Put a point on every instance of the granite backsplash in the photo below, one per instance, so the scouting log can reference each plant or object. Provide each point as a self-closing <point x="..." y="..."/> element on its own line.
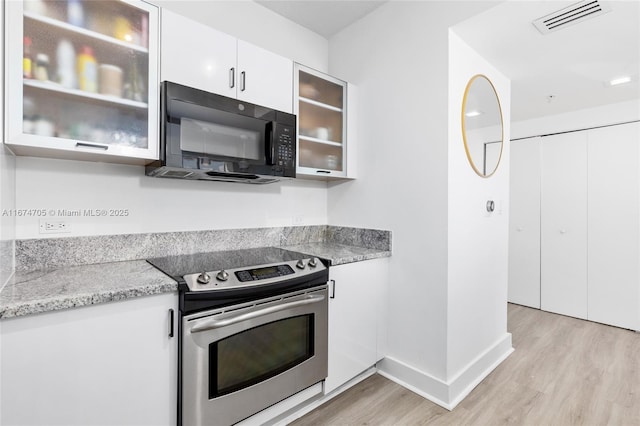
<point x="37" y="254"/>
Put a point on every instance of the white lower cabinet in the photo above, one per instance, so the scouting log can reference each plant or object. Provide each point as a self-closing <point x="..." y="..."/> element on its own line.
<point x="356" y="319"/>
<point x="111" y="364"/>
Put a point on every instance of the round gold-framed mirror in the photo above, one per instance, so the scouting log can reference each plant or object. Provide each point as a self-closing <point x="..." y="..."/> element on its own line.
<point x="482" y="125"/>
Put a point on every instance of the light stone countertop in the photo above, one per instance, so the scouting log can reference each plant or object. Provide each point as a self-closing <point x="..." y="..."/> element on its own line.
<point x="338" y="254"/>
<point x="73" y="286"/>
<point x="67" y="287"/>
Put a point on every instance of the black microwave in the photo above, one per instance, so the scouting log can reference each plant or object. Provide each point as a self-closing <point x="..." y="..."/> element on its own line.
<point x="205" y="136"/>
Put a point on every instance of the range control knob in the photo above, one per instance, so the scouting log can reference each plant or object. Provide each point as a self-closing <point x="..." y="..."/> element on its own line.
<point x="300" y="264"/>
<point x="203" y="278"/>
<point x="313" y="262"/>
<point x="222" y="275"/>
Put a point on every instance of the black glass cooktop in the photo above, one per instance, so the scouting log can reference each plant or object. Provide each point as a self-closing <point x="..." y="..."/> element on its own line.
<point x="178" y="266"/>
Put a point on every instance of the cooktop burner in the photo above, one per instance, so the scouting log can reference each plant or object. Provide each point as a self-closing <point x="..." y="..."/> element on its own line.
<point x="224" y="270"/>
<point x="224" y="278"/>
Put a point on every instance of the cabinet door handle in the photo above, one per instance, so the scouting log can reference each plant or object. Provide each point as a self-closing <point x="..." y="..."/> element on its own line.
<point x="333" y="289"/>
<point x="91" y="145"/>
<point x="170" y="322"/>
<point x="323" y="171"/>
<point x="232" y="78"/>
<point x="243" y="81"/>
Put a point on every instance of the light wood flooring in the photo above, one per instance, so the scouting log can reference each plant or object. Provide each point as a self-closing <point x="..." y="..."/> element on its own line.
<point x="564" y="371"/>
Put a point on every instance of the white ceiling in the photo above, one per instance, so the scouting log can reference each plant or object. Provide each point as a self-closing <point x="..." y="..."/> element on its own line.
<point x="326" y="17"/>
<point x="572" y="64"/>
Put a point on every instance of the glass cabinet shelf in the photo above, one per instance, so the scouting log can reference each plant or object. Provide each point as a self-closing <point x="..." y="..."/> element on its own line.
<point x="57" y="25"/>
<point x="320" y="104"/>
<point x="54" y="87"/>
<point x="316" y="140"/>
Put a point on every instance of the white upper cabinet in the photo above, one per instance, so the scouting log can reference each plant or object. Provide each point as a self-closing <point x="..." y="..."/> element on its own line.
<point x="199" y="56"/>
<point x="264" y="78"/>
<point x="82" y="79"/>
<point x="325" y="131"/>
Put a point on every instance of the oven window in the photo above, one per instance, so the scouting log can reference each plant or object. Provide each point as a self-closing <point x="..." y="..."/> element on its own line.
<point x="257" y="354"/>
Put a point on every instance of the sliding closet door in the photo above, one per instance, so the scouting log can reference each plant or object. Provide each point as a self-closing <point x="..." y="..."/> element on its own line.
<point x="564" y="224"/>
<point x="524" y="223"/>
<point x="614" y="215"/>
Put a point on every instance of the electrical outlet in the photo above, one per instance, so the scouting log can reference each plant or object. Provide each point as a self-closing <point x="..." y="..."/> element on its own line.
<point x="54" y="226"/>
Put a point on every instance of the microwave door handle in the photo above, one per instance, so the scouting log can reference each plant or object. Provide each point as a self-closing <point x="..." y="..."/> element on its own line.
<point x="270" y="147"/>
<point x="213" y="323"/>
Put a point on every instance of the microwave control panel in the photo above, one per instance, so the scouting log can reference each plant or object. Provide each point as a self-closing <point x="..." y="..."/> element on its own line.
<point x="285" y="151"/>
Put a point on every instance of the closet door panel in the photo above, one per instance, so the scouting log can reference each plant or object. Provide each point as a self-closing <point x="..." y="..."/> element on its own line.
<point x="524" y="228"/>
<point x="564" y="224"/>
<point x="613" y="231"/>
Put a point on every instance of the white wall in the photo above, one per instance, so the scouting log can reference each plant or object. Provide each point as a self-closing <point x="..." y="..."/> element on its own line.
<point x="478" y="240"/>
<point x="7" y="186"/>
<point x="585" y="118"/>
<point x="7" y="209"/>
<point x="163" y="205"/>
<point x="7" y="197"/>
<point x="398" y="58"/>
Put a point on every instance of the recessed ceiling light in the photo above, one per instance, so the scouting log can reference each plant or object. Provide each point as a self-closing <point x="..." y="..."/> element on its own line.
<point x="473" y="113"/>
<point x="619" y="80"/>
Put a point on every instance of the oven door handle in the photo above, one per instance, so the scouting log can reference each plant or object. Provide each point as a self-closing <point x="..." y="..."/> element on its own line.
<point x="213" y="323"/>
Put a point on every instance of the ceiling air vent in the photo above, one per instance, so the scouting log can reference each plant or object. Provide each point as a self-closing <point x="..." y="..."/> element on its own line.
<point x="571" y="15"/>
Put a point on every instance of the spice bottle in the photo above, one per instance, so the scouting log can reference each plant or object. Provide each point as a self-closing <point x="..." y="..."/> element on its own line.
<point x="87" y="69"/>
<point x="27" y="60"/>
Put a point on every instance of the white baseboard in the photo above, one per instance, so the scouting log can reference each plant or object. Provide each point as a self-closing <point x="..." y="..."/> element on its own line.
<point x="447" y="394"/>
<point x="305" y="408"/>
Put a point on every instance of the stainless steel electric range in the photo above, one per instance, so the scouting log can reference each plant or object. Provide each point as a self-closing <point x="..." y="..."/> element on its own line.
<point x="252" y="330"/>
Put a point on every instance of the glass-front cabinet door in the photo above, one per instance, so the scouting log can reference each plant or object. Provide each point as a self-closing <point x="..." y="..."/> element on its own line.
<point x="321" y="110"/>
<point x="82" y="79"/>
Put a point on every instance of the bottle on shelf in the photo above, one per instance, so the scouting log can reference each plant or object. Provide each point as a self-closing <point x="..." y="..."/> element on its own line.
<point x="75" y="13"/>
<point x="27" y="60"/>
<point x="87" y="70"/>
<point x="66" y="59"/>
<point x="41" y="71"/>
<point x="122" y="29"/>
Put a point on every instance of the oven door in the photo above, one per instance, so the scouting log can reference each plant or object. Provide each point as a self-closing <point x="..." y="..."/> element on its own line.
<point x="249" y="357"/>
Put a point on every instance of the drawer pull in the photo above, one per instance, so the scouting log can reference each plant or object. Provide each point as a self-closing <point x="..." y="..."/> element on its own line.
<point x="91" y="146"/>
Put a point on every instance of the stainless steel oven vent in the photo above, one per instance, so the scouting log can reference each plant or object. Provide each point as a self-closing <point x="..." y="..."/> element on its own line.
<point x="571" y="15"/>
